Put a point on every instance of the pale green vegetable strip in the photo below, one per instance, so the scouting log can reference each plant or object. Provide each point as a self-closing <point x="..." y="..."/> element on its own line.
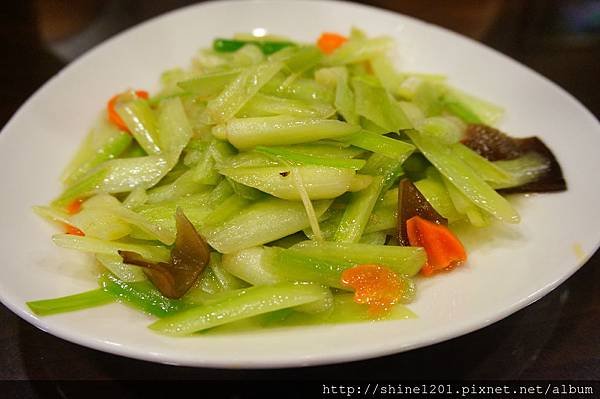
<point x="403" y="260"/>
<point x="303" y="58"/>
<point x="117" y="176"/>
<point x="114" y="263"/>
<point x="252" y="265"/>
<point x="321" y="182"/>
<point x="476" y="216"/>
<point x="70" y="303"/>
<point x="196" y="207"/>
<point x="288" y="154"/>
<point x="487" y="170"/>
<point x="464" y="178"/>
<point x="114" y="144"/>
<point x="239" y="91"/>
<point x="141" y="122"/>
<point x="375" y="104"/>
<point x="380" y="165"/>
<point x="386" y="74"/>
<point x="303" y="89"/>
<point x="117" y="209"/>
<point x="484" y="111"/>
<point x="260" y="223"/>
<point x="245" y="133"/>
<point x="354" y="51"/>
<point x="357" y="212"/>
<point x="326" y="149"/>
<point x="265" y="105"/>
<point x="434" y="190"/>
<point x="382" y="219"/>
<point x="253" y="301"/>
<point x="100" y="223"/>
<point x="52" y="215"/>
<point x="293" y="265"/>
<point x="523" y="170"/>
<point x="249" y="159"/>
<point x="344" y="97"/>
<point x="447" y="129"/>
<point x="228" y="208"/>
<point x="246" y="192"/>
<point x="185" y="184"/>
<point x="391" y="148"/>
<point x="227" y="281"/>
<point x="175" y="129"/>
<point x="136" y="197"/>
<point x="209" y="85"/>
<point x="428" y="97"/>
<point x="375" y="238"/>
<point x="152" y="253"/>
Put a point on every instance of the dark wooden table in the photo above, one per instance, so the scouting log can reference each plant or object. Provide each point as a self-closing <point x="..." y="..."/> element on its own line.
<point x="554" y="338"/>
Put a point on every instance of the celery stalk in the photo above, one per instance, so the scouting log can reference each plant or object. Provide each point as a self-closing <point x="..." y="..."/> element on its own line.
<point x="114" y="263"/>
<point x="141" y="122"/>
<point x="141" y="295"/>
<point x="357" y="212"/>
<point x="174" y="128"/>
<point x="252" y="265"/>
<point x="381" y="165"/>
<point x="239" y="91"/>
<point x="209" y="85"/>
<point x="522" y="170"/>
<point x="289" y="155"/>
<point x="471" y="108"/>
<point x="70" y="303"/>
<point x="391" y="148"/>
<point x="381" y="219"/>
<point x="260" y="223"/>
<point x="246" y="133"/>
<point x="321" y="182"/>
<point x="117" y="176"/>
<point x="228" y="208"/>
<point x="114" y="143"/>
<point x="434" y="190"/>
<point x="250" y="302"/>
<point x="375" y="104"/>
<point x="403" y="260"/>
<point x="464" y="178"/>
<point x="265" y="105"/>
<point x="152" y="253"/>
<point x="358" y="50"/>
<point x="487" y="170"/>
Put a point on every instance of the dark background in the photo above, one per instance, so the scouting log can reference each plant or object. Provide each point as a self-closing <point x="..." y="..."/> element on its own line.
<point x="555" y="338"/>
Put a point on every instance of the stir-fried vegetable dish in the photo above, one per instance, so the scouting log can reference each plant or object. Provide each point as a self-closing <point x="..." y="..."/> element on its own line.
<point x="278" y="183"/>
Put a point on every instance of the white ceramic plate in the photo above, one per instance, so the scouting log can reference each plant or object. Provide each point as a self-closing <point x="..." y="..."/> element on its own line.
<point x="507" y="270"/>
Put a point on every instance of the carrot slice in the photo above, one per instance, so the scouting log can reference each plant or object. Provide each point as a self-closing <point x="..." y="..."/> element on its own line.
<point x="444" y="249"/>
<point x="75" y="206"/>
<point x="113" y="116"/>
<point x="328" y="42"/>
<point x="374" y="285"/>
<point x="73" y="230"/>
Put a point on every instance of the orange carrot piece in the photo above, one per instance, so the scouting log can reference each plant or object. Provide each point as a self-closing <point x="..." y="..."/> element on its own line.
<point x="73" y="230"/>
<point x="113" y="116"/>
<point x="328" y="42"/>
<point x="75" y="206"/>
<point x="444" y="250"/>
<point x="374" y="285"/>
